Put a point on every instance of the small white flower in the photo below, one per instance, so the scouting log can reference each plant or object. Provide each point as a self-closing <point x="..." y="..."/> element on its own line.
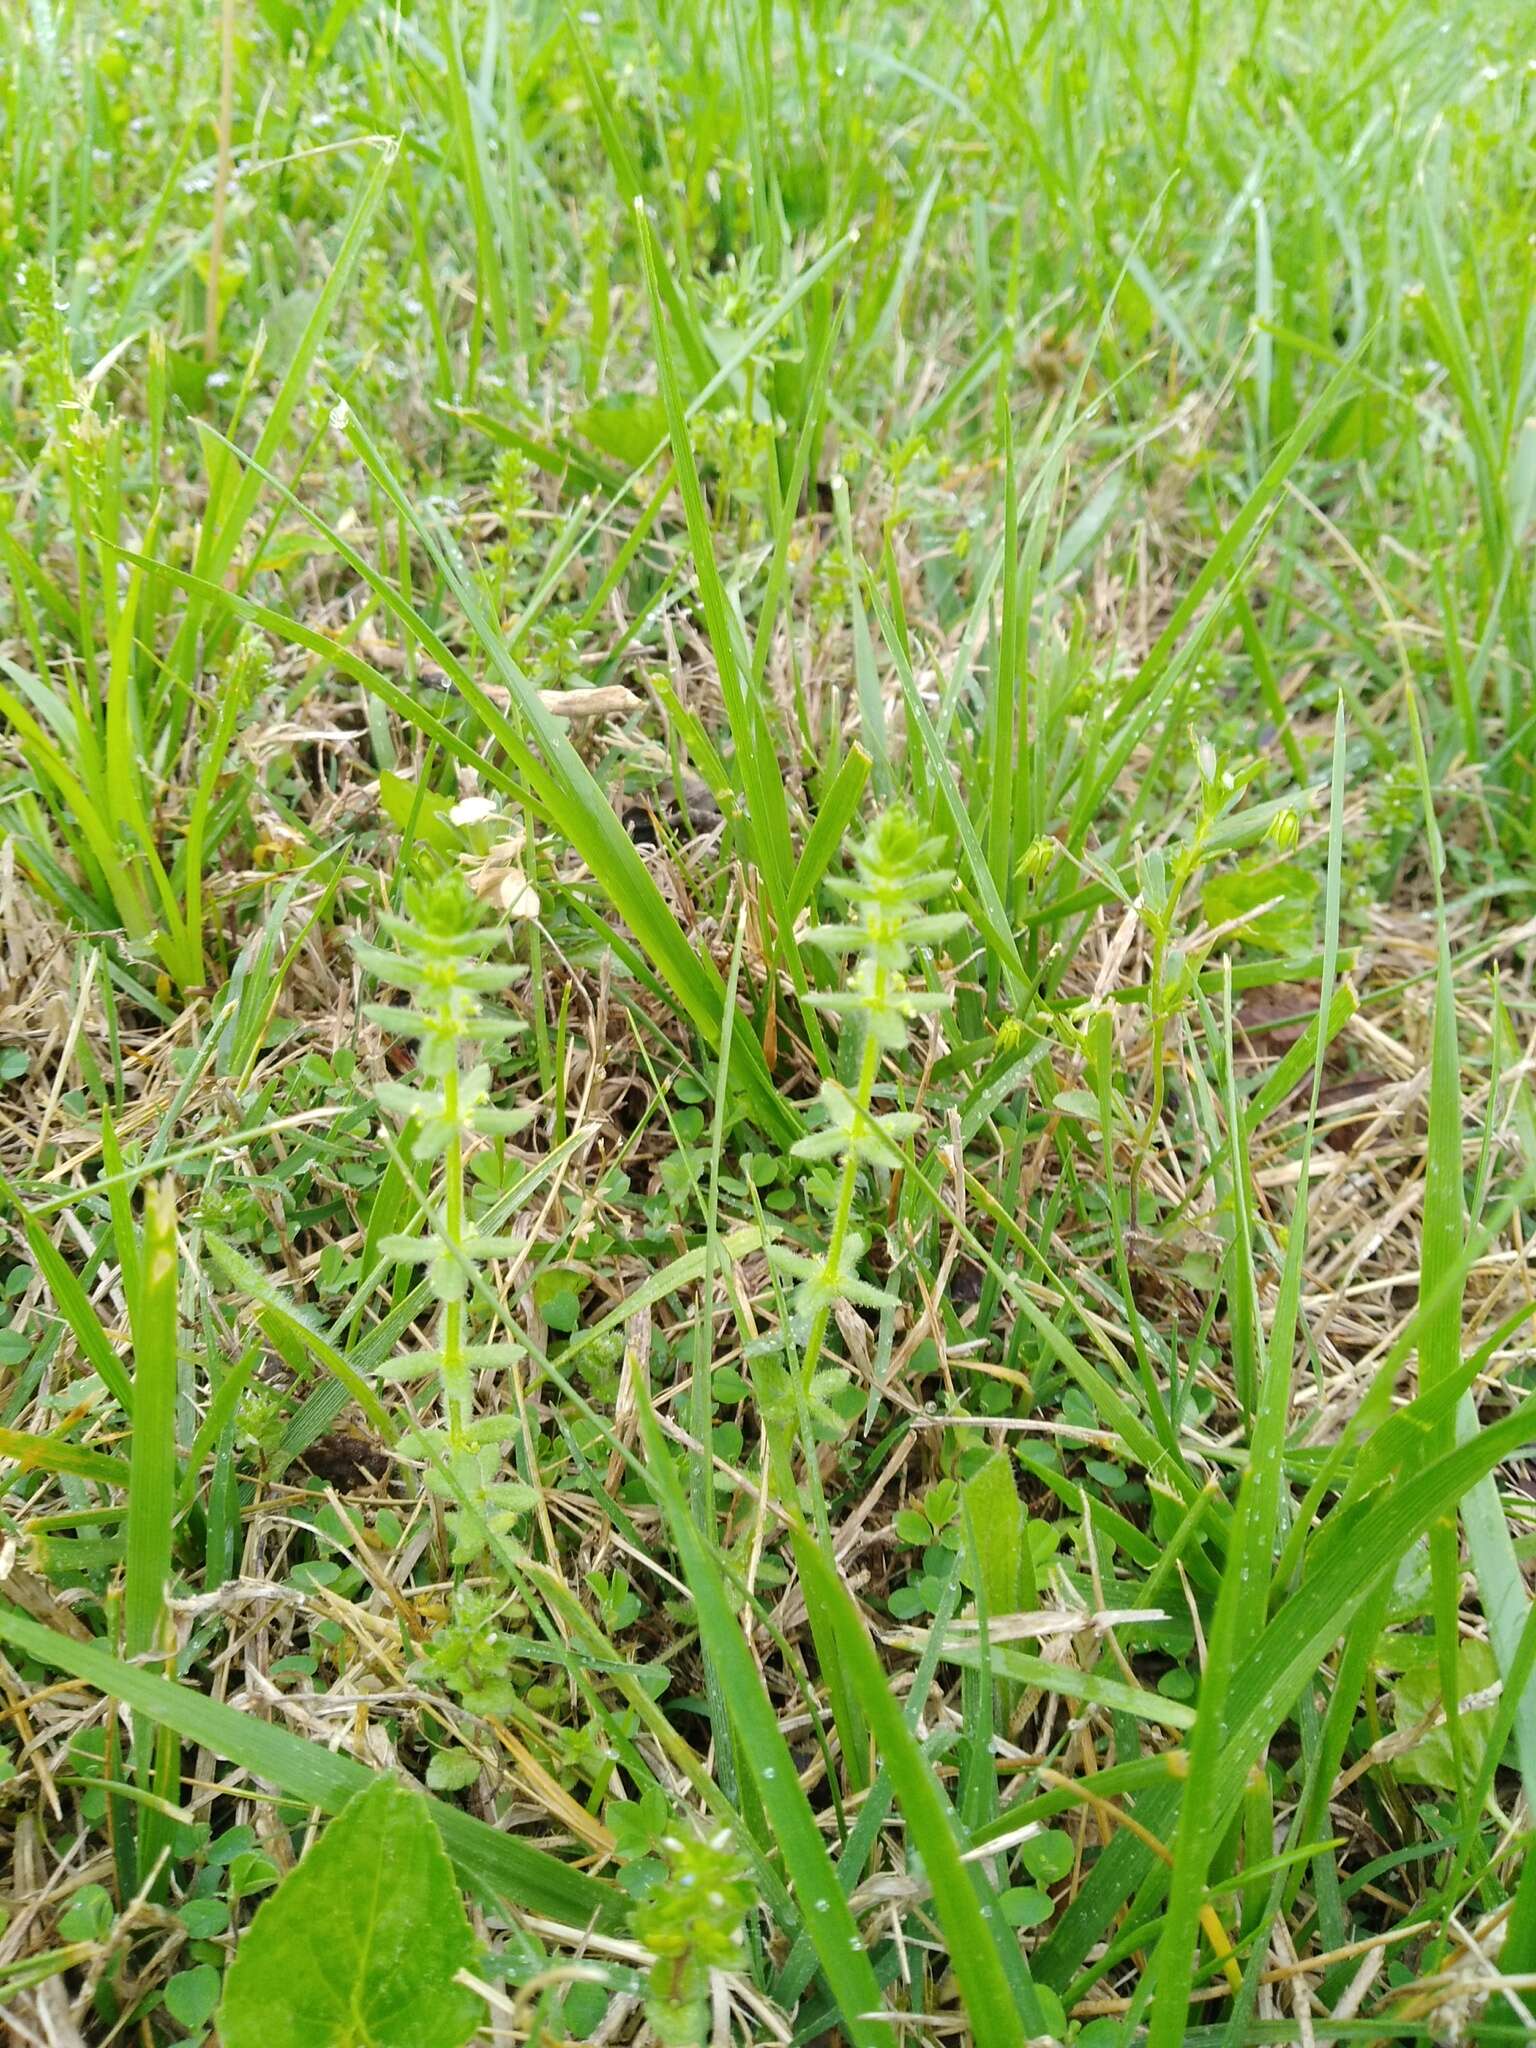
<point x="472" y="810"/>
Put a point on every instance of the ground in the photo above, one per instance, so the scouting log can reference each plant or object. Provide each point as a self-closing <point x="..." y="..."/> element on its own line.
<point x="766" y="809"/>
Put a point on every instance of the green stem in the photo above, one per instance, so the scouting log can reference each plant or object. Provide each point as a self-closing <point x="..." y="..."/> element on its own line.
<point x="869" y="1066"/>
<point x="456" y="1381"/>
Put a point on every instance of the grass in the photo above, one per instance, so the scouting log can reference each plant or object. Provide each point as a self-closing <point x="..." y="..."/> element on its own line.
<point x="766" y="794"/>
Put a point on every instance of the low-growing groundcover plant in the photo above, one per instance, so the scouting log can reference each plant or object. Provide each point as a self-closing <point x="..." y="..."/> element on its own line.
<point x="766" y="1132"/>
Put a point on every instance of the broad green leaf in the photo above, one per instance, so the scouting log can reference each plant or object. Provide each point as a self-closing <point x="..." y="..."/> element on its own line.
<point x="359" y="1946"/>
<point x="1270" y="902"/>
<point x="626" y="427"/>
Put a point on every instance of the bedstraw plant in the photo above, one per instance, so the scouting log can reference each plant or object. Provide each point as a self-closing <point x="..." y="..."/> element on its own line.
<point x="437" y="954"/>
<point x="690" y="1919"/>
<point x="894" y="878"/>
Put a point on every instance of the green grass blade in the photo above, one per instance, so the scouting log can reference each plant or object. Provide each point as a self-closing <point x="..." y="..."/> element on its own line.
<point x="972" y="1931"/>
<point x="147" y="1631"/>
<point x="152" y="1495"/>
<point x="296" y="374"/>
<point x="1355" y="1551"/>
<point x="763" y="1749"/>
<point x="74" y="1304"/>
<point x="34" y="1453"/>
<point x="766" y="819"/>
<point x="833" y="820"/>
<point x="281" y="1318"/>
<point x="1021" y="1667"/>
<point x="1221" y="575"/>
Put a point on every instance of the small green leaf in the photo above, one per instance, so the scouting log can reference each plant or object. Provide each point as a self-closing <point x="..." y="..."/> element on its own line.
<point x="450" y="1770"/>
<point x="204" y="1918"/>
<point x="562" y="1311"/>
<point x="191" y="1996"/>
<point x="88" y="1914"/>
<point x="1023" y="1906"/>
<point x="232" y="1843"/>
<point x="251" y="1873"/>
<point x="557" y="1295"/>
<point x="359" y="1946"/>
<point x="1417" y="1695"/>
<point x="1047" y="1857"/>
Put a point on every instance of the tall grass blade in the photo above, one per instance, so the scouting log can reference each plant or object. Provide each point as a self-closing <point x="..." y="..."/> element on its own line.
<point x="823" y="1908"/>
